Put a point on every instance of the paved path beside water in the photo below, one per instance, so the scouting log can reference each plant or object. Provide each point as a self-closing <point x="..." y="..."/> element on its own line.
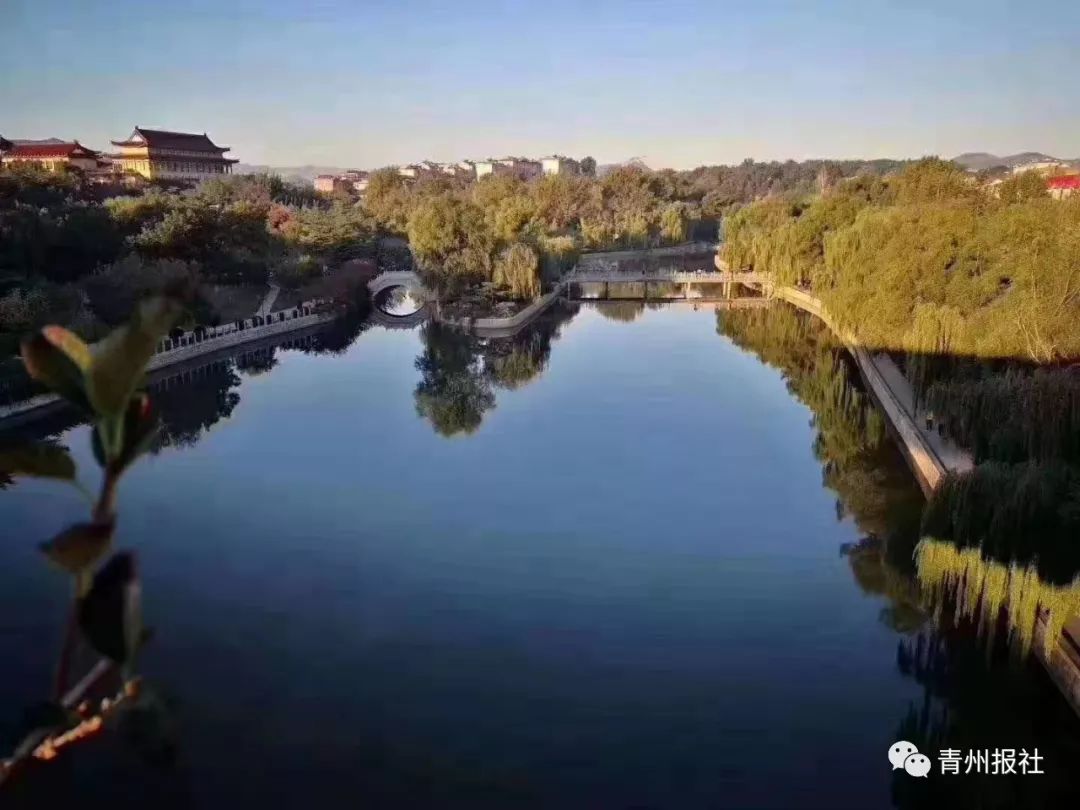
<point x="954" y="458"/>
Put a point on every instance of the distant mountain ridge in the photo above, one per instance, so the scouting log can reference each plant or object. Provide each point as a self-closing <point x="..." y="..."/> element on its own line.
<point x="977" y="161"/>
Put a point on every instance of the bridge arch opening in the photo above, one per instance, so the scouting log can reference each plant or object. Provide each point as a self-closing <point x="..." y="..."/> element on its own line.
<point x="399" y="301"/>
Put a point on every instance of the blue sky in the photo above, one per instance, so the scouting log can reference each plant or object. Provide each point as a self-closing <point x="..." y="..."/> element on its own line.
<point x="680" y="83"/>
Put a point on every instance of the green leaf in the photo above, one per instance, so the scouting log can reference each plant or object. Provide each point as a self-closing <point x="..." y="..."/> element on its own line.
<point x="37" y="460"/>
<point x="120" y="359"/>
<point x="79" y="546"/>
<point x="59" y="359"/>
<point x="141" y="427"/>
<point x="109" y="431"/>
<point x="110" y="614"/>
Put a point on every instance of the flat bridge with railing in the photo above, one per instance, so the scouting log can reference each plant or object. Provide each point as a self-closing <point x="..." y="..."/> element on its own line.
<point x="597" y="275"/>
<point x="700" y="286"/>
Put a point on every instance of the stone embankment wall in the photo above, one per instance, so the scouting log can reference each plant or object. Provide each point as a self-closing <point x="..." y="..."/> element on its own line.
<point x="193" y="344"/>
<point x="202" y="341"/>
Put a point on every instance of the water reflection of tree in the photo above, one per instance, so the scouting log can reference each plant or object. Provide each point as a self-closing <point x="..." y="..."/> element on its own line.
<point x="859" y="462"/>
<point x="453" y="392"/>
<point x="193" y="407"/>
<point x="624" y="311"/>
<point x="974" y="694"/>
<point x="513" y="362"/>
<point x="977" y="698"/>
<point x="338" y="335"/>
<point x="459" y="371"/>
<point x="257" y="362"/>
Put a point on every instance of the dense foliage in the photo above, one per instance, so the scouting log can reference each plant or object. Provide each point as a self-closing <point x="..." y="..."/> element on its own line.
<point x="926" y="261"/>
<point x="70" y="254"/>
<point x="1014" y="415"/>
<point x="456" y="228"/>
<point x="979" y="292"/>
<point x="1025" y="513"/>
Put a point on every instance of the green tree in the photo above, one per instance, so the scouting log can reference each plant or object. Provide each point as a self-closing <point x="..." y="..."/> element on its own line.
<point x="1022" y="187"/>
<point x="517" y="269"/>
<point x="451" y="241"/>
<point x="388" y="199"/>
<point x="673" y="223"/>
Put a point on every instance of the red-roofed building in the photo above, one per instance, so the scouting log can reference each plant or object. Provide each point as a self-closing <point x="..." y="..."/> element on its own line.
<point x="1065" y="186"/>
<point x="161" y="155"/>
<point x="53" y="155"/>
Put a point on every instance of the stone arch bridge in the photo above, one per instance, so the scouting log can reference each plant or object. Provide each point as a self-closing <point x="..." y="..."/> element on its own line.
<point x="411" y="282"/>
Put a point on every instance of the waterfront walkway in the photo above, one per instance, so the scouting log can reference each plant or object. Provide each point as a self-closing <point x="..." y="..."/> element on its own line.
<point x="953" y="457"/>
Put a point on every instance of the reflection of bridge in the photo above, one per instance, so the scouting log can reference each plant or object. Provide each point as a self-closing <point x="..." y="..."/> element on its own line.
<point x="411" y="282"/>
<point x="389" y="321"/>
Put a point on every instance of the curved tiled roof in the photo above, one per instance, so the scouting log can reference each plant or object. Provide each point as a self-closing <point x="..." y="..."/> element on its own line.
<point x="54" y="149"/>
<point x="163" y="139"/>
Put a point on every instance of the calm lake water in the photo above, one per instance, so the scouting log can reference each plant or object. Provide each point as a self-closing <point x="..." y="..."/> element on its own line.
<point x="650" y="558"/>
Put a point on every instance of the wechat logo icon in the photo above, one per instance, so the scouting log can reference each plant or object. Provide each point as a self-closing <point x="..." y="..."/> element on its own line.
<point x="905" y="755"/>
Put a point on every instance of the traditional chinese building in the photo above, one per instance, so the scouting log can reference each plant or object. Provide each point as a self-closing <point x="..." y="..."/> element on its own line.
<point x="53" y="154"/>
<point x="159" y="155"/>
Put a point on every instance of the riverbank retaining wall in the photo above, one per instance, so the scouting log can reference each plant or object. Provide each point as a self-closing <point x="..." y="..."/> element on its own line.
<point x="189" y="345"/>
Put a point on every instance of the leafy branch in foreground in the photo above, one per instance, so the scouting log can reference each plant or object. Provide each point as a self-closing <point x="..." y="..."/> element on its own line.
<point x="103" y="382"/>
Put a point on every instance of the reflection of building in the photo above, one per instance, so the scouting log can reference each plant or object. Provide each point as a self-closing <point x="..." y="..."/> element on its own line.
<point x="53" y="154"/>
<point x="160" y="155"/>
<point x="558" y="164"/>
<point x="1062" y="187"/>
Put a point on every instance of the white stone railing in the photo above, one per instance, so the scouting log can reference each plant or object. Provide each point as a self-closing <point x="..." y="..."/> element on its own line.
<point x="202" y="334"/>
<point x="204" y="340"/>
